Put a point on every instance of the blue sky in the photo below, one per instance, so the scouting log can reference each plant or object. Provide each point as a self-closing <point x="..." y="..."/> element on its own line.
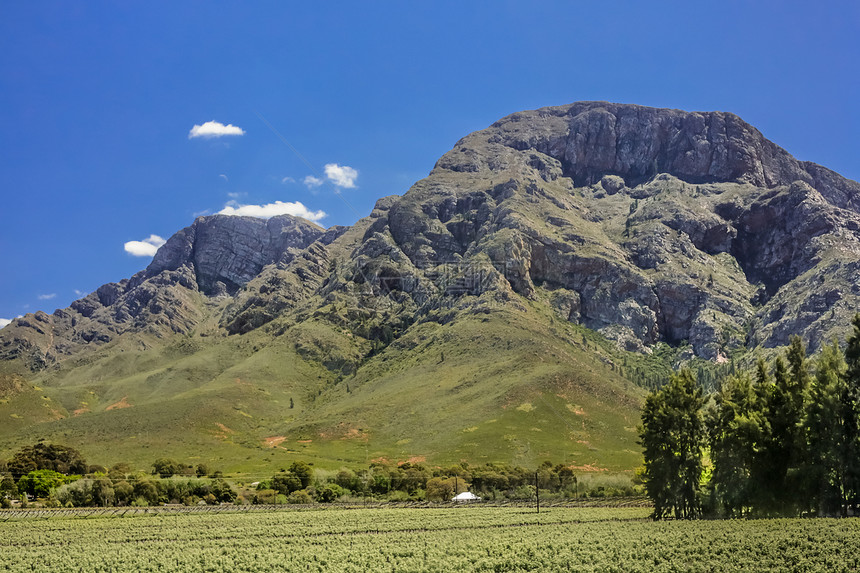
<point x="97" y="102"/>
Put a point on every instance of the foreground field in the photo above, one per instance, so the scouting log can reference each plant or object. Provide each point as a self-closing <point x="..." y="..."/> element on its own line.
<point x="444" y="539"/>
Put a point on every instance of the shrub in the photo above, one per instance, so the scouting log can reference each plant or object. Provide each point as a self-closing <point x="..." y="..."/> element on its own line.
<point x="300" y="497"/>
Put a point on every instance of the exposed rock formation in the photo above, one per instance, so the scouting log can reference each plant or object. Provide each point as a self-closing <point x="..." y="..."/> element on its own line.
<point x="232" y="250"/>
<point x="214" y="256"/>
<point x="645" y="224"/>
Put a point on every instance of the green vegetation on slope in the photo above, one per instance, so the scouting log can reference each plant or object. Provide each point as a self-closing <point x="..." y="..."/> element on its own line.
<point x="491" y="385"/>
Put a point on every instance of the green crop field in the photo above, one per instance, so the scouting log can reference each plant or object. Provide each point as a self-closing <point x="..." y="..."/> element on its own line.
<point x="469" y="538"/>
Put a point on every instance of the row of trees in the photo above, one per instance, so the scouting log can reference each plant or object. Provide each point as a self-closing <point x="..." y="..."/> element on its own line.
<point x="101" y="491"/>
<point x="171" y="481"/>
<point x="409" y="481"/>
<point x="782" y="440"/>
<point x="60" y="475"/>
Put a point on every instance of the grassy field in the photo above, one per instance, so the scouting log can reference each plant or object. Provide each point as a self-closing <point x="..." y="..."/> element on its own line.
<point x="470" y="538"/>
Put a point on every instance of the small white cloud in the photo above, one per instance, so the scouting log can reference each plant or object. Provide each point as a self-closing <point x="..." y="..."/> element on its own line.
<point x="79" y="292"/>
<point x="214" y="129"/>
<point x="312" y="181"/>
<point x="144" y="248"/>
<point x="235" y="195"/>
<point x="47" y="296"/>
<point x="288" y="180"/>
<point x="222" y="176"/>
<point x="297" y="209"/>
<point x="4" y="322"/>
<point x="341" y="175"/>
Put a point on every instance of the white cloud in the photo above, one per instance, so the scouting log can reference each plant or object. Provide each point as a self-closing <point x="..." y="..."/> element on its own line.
<point x="214" y="129"/>
<point x="312" y="181"/>
<point x="288" y="180"/>
<point x="224" y="177"/>
<point x="47" y="296"/>
<point x="144" y="248"/>
<point x="4" y="322"/>
<point x="297" y="209"/>
<point x="341" y="175"/>
<point x="79" y="292"/>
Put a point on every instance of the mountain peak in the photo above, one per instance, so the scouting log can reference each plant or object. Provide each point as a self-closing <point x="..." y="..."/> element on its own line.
<point x="467" y="300"/>
<point x="227" y="251"/>
<point x="592" y="139"/>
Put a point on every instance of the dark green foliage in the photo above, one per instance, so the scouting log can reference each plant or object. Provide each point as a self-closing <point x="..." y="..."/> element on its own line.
<point x="672" y="436"/>
<point x="8" y="487"/>
<point x="165" y="468"/>
<point x="735" y="429"/>
<point x="286" y="483"/>
<point x="851" y="406"/>
<point x="104" y="492"/>
<point x="42" y="456"/>
<point x="329" y="493"/>
<point x="779" y="452"/>
<point x="787" y="444"/>
<point x="824" y="434"/>
<point x="303" y="471"/>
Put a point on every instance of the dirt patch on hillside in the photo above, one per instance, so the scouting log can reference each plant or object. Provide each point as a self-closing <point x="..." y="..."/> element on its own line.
<point x="274" y="441"/>
<point x="589" y="468"/>
<point x="124" y="403"/>
<point x="344" y="431"/>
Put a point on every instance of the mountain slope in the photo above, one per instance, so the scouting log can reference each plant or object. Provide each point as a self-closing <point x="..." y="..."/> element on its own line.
<point x="460" y="320"/>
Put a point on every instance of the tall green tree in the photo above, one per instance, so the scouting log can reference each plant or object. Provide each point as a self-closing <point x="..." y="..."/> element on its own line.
<point x="780" y="455"/>
<point x="798" y="482"/>
<point x="303" y="471"/>
<point x="735" y="430"/>
<point x="824" y="430"/>
<point x="672" y="436"/>
<point x="851" y="408"/>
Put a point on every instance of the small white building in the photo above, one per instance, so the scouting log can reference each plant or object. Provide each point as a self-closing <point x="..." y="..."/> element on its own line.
<point x="466" y="496"/>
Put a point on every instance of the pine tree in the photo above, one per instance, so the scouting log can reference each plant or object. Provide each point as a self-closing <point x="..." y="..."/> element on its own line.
<point x="777" y="444"/>
<point x="798" y="381"/>
<point x="851" y="409"/>
<point x="824" y="433"/>
<point x="734" y="432"/>
<point x="672" y="436"/>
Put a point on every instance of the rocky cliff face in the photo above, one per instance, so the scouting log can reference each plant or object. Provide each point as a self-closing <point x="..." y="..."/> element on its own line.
<point x="206" y="261"/>
<point x="226" y="252"/>
<point x="645" y="224"/>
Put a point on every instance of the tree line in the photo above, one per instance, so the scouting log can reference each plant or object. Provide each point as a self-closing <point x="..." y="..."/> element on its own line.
<point x="59" y="476"/>
<point x="419" y="482"/>
<point x="781" y="440"/>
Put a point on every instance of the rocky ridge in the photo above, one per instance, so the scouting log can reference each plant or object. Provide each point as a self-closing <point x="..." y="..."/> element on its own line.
<point x="205" y="262"/>
<point x="645" y="224"/>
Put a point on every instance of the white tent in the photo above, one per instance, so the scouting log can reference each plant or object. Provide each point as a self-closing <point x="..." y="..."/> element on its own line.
<point x="466" y="496"/>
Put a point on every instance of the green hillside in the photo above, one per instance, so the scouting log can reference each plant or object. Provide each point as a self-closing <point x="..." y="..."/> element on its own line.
<point x="496" y="385"/>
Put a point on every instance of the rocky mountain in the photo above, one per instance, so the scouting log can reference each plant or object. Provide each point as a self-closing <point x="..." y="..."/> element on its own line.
<point x="685" y="233"/>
